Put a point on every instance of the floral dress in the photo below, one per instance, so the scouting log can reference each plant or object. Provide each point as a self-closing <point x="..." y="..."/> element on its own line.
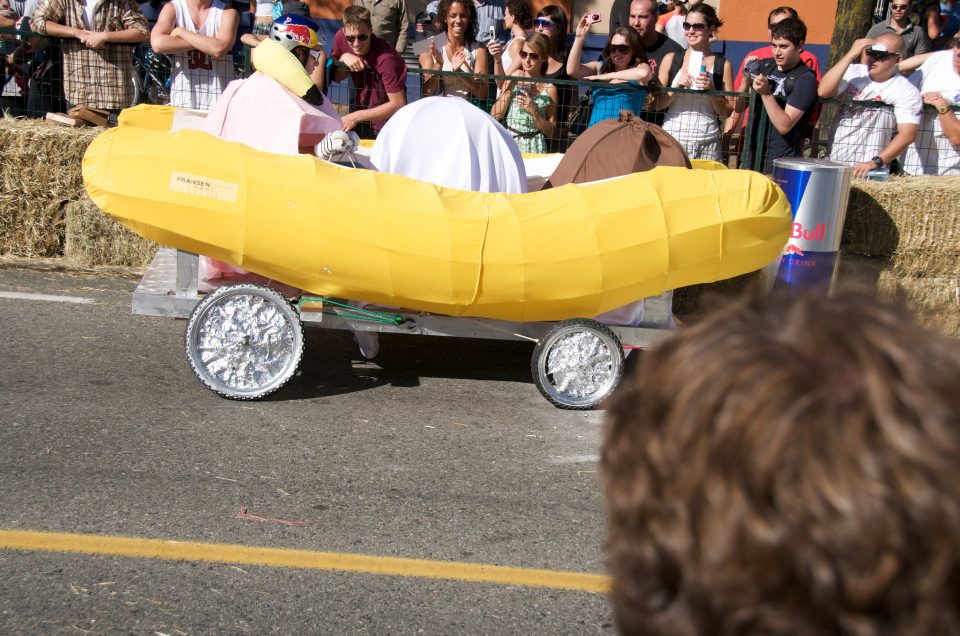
<point x="523" y="127"/>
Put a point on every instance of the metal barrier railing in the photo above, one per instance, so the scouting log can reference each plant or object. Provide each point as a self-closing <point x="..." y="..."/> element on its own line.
<point x="41" y="75"/>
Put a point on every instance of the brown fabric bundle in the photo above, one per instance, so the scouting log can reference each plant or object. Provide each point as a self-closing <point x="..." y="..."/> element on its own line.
<point x="616" y="147"/>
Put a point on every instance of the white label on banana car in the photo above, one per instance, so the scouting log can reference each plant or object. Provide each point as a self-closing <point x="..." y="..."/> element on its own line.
<point x="201" y="186"/>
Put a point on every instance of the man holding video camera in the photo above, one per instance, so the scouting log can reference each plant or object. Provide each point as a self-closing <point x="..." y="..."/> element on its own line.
<point x="787" y="89"/>
<point x="862" y="137"/>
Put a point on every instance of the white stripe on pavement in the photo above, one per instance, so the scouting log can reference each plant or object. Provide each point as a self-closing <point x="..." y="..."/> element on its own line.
<point x="54" y="299"/>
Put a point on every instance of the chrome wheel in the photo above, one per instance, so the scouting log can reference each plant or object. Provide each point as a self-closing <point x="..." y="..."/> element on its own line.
<point x="244" y="341"/>
<point x="577" y="364"/>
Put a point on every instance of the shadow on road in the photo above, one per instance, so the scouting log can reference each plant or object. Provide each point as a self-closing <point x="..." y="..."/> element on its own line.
<point x="332" y="364"/>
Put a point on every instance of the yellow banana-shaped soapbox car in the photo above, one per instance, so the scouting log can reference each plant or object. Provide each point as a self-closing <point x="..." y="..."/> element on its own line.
<point x="461" y="263"/>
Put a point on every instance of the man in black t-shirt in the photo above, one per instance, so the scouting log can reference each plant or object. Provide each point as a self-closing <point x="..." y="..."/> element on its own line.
<point x="642" y="17"/>
<point x="788" y="92"/>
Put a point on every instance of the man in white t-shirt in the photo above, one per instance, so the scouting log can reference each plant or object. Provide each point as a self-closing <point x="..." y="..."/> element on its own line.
<point x="937" y="147"/>
<point x="198" y="35"/>
<point x="862" y="137"/>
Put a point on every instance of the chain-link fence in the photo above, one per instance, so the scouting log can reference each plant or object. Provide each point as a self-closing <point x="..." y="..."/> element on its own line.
<point x="43" y="75"/>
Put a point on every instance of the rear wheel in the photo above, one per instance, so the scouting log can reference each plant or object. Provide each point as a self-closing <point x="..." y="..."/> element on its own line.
<point x="578" y="364"/>
<point x="244" y="341"/>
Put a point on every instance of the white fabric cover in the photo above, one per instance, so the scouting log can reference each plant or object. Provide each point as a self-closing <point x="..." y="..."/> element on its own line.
<point x="450" y="142"/>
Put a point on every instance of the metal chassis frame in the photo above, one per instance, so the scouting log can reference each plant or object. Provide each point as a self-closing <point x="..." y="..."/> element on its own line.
<point x="170" y="288"/>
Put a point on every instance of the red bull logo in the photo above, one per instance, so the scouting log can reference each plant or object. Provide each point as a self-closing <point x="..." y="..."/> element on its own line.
<point x="793" y="249"/>
<point x="818" y="233"/>
<point x="301" y="33"/>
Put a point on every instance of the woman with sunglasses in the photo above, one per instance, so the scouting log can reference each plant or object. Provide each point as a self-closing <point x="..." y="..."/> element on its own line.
<point x="462" y="53"/>
<point x="517" y="19"/>
<point x="551" y="22"/>
<point x="623" y="62"/>
<point x="673" y="27"/>
<point x="528" y="109"/>
<point x="691" y="118"/>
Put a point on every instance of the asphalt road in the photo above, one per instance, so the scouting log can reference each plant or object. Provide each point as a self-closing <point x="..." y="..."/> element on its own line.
<point x="443" y="450"/>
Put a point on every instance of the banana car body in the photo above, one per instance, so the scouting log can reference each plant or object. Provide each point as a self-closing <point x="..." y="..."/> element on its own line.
<point x="574" y="250"/>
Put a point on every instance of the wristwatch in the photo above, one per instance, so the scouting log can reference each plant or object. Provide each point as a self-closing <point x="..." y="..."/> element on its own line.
<point x="877" y="161"/>
<point x="943" y="110"/>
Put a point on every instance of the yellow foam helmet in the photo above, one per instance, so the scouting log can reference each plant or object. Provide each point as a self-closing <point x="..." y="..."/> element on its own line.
<point x="575" y="250"/>
<point x="272" y="59"/>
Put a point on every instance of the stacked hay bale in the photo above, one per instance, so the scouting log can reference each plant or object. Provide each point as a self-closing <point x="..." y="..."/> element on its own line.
<point x="44" y="209"/>
<point x="903" y="235"/>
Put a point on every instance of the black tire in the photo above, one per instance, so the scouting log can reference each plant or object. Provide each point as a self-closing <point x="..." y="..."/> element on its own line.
<point x="137" y="95"/>
<point x="577" y="364"/>
<point x="244" y="341"/>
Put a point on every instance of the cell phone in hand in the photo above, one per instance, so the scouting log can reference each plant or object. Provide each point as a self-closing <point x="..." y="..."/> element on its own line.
<point x="493" y="32"/>
<point x="593" y="18"/>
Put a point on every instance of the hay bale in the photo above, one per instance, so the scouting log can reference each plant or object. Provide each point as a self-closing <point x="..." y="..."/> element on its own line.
<point x="93" y="238"/>
<point x="934" y="300"/>
<point x="911" y="221"/>
<point x="41" y="173"/>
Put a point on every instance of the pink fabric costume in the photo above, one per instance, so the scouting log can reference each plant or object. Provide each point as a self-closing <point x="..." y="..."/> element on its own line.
<point x="259" y="112"/>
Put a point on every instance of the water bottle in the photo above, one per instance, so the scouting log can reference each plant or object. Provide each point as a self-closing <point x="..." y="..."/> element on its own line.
<point x="703" y="69"/>
<point x="879" y="174"/>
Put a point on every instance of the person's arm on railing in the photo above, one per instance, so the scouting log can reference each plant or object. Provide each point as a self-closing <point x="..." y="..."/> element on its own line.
<point x="640" y="73"/>
<point x="667" y="97"/>
<point x="830" y="83"/>
<point x="167" y="37"/>
<point x="906" y="133"/>
<point x="948" y="119"/>
<point x="395" y="101"/>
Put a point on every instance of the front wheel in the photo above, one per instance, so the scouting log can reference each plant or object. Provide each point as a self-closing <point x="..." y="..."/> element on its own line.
<point x="578" y="364"/>
<point x="244" y="341"/>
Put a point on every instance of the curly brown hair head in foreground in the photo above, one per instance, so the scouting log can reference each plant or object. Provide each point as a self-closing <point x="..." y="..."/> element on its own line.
<point x="788" y="466"/>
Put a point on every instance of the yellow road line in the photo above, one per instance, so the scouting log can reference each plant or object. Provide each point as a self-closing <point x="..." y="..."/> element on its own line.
<point x="300" y="559"/>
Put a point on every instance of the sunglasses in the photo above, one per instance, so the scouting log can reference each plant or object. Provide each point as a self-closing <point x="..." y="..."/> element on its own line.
<point x="880" y="56"/>
<point x="360" y="37"/>
<point x="622" y="49"/>
<point x="899" y="7"/>
<point x="529" y="54"/>
<point x="315" y="54"/>
<point x="698" y="27"/>
<point x="544" y="23"/>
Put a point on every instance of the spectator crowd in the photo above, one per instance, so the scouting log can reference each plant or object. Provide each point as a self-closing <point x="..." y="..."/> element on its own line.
<point x="898" y="87"/>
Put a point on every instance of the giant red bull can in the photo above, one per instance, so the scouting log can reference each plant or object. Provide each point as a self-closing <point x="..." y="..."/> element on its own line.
<point x="818" y="191"/>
